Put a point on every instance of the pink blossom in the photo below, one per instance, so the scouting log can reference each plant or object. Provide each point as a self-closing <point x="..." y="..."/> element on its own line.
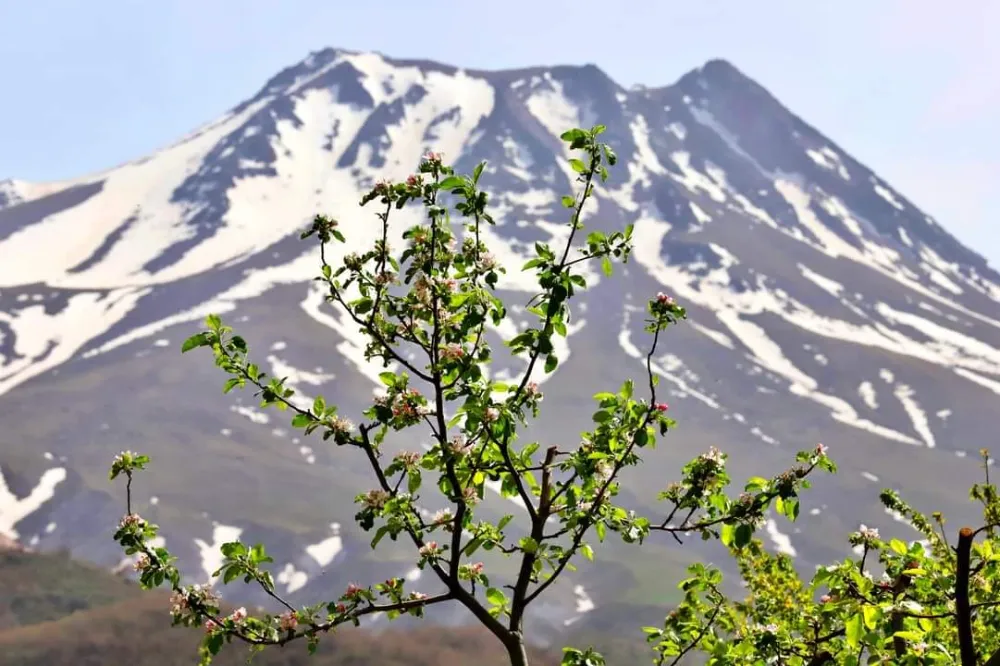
<point x="131" y="520"/>
<point x="661" y="406"/>
<point x="487" y="261"/>
<point x="408" y="458"/>
<point x="470" y="496"/>
<point x="141" y="563"/>
<point x="663" y="299"/>
<point x="714" y="456"/>
<point x="376" y="498"/>
<point x="821" y="450"/>
<point x="452" y="352"/>
<point x="352" y="590"/>
<point x="211" y="625"/>
<point x="341" y="425"/>
<point x="442" y="517"/>
<point x="431" y="156"/>
<point x="413" y="180"/>
<point x="288" y="621"/>
<point x="239" y="615"/>
<point x="430" y="549"/>
<point x="459" y="445"/>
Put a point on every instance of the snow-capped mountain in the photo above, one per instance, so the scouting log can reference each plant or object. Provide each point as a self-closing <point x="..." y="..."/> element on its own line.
<point x="824" y="306"/>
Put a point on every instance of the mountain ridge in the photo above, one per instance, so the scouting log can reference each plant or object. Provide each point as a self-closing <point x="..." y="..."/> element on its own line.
<point x="824" y="307"/>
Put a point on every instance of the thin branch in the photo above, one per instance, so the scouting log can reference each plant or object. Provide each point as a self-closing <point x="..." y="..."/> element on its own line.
<point x="963" y="609"/>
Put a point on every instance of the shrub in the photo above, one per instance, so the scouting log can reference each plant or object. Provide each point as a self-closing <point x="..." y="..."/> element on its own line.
<point x="932" y="604"/>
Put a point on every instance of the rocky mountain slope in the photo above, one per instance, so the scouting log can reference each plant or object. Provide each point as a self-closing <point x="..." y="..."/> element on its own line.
<point x="824" y="306"/>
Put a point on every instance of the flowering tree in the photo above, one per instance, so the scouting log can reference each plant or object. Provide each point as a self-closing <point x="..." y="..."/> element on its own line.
<point x="436" y="298"/>
<point x="933" y="604"/>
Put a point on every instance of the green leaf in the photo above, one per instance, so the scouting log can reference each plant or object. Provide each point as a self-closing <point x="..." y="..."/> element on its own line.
<point x="568" y="201"/>
<point x="196" y="340"/>
<point x="587" y="551"/>
<point x="853" y="630"/>
<point x="602" y="416"/>
<point x="495" y="596"/>
<point x="551" y="361"/>
<point x="743" y="535"/>
<point x="578" y="165"/>
<point x="606" y="265"/>
<point x="870" y="615"/>
<point x="453" y="182"/>
<point x="413" y="481"/>
<point x="569" y="136"/>
<point x="727" y="535"/>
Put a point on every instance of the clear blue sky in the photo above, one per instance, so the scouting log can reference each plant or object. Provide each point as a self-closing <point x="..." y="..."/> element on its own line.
<point x="910" y="87"/>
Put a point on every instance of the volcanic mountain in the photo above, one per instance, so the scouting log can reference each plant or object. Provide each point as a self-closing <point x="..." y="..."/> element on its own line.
<point x="824" y="307"/>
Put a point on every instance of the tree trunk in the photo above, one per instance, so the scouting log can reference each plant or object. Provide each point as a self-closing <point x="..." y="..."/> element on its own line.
<point x="516" y="650"/>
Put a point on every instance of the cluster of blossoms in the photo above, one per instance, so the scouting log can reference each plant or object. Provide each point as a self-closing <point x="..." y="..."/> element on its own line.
<point x="663" y="305"/>
<point x="196" y="596"/>
<point x="470" y="496"/>
<point x="478" y="256"/>
<point x="382" y="187"/>
<point x="376" y="498"/>
<point x="288" y="621"/>
<point x="408" y="458"/>
<point x="865" y="536"/>
<point x="237" y="617"/>
<point x="424" y="288"/>
<point x="603" y="471"/>
<point x="430" y="550"/>
<point x="487" y="262"/>
<point x="745" y="506"/>
<point x="459" y="445"/>
<point x="123" y="457"/>
<point x="452" y="352"/>
<point x="532" y="392"/>
<point x="142" y="562"/>
<point x="341" y="425"/>
<point x="443" y="518"/>
<point x="406" y="407"/>
<point x="714" y="457"/>
<point x="132" y="521"/>
<point x="353" y="261"/>
<point x="470" y="571"/>
<point x="385" y="277"/>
